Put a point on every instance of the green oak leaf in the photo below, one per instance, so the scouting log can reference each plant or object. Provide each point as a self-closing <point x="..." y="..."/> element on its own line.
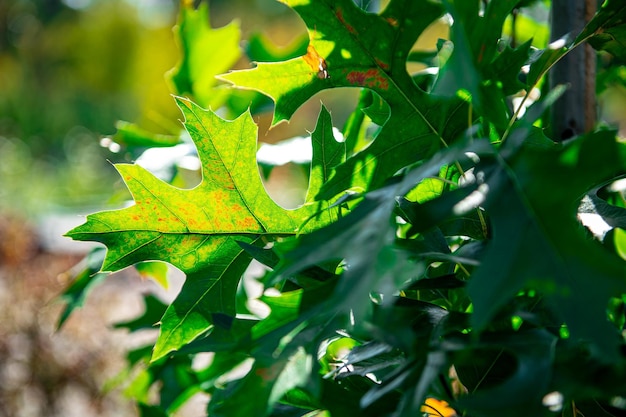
<point x="506" y="67"/>
<point x="198" y="230"/>
<point x="606" y="31"/>
<point x="351" y="48"/>
<point x="528" y="355"/>
<point x="479" y="64"/>
<point x="538" y="242"/>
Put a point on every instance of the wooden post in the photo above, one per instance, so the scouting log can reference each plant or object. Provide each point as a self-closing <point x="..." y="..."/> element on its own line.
<point x="575" y="112"/>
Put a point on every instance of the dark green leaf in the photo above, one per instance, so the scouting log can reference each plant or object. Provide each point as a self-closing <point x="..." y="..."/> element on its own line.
<point x="511" y="374"/>
<point x="131" y="135"/>
<point x="146" y="410"/>
<point x="537" y="241"/>
<point x="607" y="30"/>
<point x="83" y="277"/>
<point x="259" y="48"/>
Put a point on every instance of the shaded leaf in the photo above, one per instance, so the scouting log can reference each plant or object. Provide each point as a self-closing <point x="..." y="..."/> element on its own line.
<point x="146" y="410"/>
<point x="131" y="135"/>
<point x="607" y="30"/>
<point x="475" y="35"/>
<point x="543" y="60"/>
<point x="278" y="368"/>
<point x="538" y="242"/>
<point x="259" y="48"/>
<point x="521" y="385"/>
<point x="376" y="266"/>
<point x="506" y="68"/>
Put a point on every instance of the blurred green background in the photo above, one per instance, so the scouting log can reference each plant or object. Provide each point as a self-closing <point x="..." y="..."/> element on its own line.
<point x="69" y="69"/>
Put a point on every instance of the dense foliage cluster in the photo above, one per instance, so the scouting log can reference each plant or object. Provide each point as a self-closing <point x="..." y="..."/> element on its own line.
<point x="439" y="256"/>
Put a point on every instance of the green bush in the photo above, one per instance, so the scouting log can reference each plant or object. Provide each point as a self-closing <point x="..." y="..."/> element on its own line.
<point x="439" y="256"/>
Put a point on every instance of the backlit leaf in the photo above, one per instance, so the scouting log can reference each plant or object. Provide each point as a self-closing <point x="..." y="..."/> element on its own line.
<point x="197" y="230"/>
<point x="351" y="48"/>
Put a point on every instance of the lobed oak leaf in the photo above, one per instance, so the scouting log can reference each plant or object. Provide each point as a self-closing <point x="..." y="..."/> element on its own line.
<point x="198" y="230"/>
<point x="351" y="48"/>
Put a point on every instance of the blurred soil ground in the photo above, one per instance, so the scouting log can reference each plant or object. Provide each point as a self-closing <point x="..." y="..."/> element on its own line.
<point x="45" y="372"/>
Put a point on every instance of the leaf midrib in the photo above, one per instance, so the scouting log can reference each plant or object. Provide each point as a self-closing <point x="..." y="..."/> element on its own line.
<point x="223" y="165"/>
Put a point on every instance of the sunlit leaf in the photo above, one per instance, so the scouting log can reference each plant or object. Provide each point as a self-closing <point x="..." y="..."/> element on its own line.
<point x="351" y="48"/>
<point x="197" y="230"/>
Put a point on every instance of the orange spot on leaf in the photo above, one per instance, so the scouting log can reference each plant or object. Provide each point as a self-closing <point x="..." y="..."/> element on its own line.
<point x="268" y="374"/>
<point x="316" y="62"/>
<point x="246" y="223"/>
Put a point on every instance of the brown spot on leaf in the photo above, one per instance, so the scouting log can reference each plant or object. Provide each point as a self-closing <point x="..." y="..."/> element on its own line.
<point x="371" y="78"/>
<point x="481" y="53"/>
<point x="392" y="21"/>
<point x="385" y="66"/>
<point x="339" y="14"/>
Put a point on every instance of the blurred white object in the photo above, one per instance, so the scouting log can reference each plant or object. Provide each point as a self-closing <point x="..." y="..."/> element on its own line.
<point x="297" y="150"/>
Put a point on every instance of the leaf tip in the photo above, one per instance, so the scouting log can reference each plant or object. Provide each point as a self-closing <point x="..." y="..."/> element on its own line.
<point x="182" y="101"/>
